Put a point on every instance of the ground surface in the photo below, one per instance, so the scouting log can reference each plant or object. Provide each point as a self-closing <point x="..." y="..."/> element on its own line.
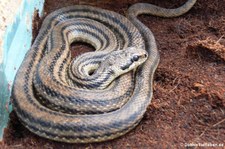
<point x="189" y="86"/>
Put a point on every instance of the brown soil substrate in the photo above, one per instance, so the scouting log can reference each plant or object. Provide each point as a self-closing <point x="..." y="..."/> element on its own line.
<point x="189" y="85"/>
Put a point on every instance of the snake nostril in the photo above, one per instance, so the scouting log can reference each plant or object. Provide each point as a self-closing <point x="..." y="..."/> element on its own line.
<point x="145" y="55"/>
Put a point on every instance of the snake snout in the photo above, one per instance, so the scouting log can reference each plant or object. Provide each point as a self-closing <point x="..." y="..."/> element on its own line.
<point x="144" y="55"/>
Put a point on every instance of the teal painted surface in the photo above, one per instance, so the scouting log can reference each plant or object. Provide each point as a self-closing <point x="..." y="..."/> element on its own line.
<point x="16" y="43"/>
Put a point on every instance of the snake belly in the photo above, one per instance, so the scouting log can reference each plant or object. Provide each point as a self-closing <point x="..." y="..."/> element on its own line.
<point x="49" y="106"/>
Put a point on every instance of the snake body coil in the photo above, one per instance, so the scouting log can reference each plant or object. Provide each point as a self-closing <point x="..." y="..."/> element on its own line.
<point x="49" y="97"/>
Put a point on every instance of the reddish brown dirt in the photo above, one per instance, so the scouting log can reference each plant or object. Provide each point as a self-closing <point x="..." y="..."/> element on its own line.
<point x="189" y="86"/>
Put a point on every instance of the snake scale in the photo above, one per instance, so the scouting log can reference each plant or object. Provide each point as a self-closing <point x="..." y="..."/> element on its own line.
<point x="99" y="95"/>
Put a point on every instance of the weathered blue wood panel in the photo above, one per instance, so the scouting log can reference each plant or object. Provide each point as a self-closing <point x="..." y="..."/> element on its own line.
<point x="16" y="42"/>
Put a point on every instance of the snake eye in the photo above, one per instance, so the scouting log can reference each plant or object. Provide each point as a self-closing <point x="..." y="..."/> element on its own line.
<point x="135" y="58"/>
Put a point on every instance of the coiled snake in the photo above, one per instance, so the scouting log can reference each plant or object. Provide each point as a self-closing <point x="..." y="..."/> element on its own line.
<point x="100" y="95"/>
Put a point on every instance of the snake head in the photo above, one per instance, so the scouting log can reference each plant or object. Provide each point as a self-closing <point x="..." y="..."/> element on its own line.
<point x="126" y="60"/>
